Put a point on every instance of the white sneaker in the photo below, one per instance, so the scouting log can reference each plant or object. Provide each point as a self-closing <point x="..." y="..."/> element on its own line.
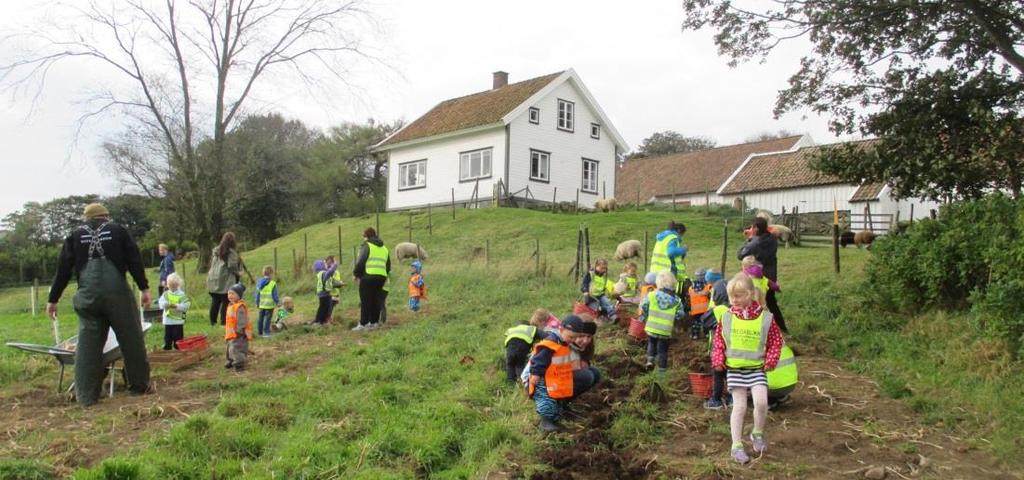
<point x="359" y="328"/>
<point x="373" y="326"/>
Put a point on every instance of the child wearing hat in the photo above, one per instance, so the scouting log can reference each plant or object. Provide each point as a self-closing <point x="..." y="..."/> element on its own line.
<point x="659" y="311"/>
<point x="237" y="328"/>
<point x="556" y="373"/>
<point x="324" y="274"/>
<point x="417" y="288"/>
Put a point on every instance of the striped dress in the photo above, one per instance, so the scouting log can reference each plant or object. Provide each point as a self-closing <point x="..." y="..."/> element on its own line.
<point x="745" y="378"/>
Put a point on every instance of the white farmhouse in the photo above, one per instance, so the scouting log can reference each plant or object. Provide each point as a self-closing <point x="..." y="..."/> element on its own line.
<point x="532" y="137"/>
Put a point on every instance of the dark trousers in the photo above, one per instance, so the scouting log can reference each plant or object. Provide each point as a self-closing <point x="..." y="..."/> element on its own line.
<point x="657" y="347"/>
<point x="218" y="306"/>
<point x="323" y="310"/>
<point x="773" y="306"/>
<point x="383" y="305"/>
<point x="173" y="333"/>
<point x="370" y="288"/>
<point x="718" y="385"/>
<point x="517" y="352"/>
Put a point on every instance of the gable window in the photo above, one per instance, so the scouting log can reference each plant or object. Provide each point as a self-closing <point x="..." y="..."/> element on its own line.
<point x="566" y="115"/>
<point x="540" y="165"/>
<point x="595" y="130"/>
<point x="589" y="176"/>
<point x="412" y="175"/>
<point x="474" y="165"/>
<point x="535" y="115"/>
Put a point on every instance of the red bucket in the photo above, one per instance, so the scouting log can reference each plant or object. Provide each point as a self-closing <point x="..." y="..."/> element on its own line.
<point x="195" y="342"/>
<point x="580" y="308"/>
<point x="700" y="384"/>
<point x="636" y="329"/>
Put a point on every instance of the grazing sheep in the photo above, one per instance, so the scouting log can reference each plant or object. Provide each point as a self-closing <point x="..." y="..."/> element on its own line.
<point x="406" y="250"/>
<point x="783" y="233"/>
<point x="846" y="238"/>
<point x="628" y="249"/>
<point x="864" y="237"/>
<point x="605" y="205"/>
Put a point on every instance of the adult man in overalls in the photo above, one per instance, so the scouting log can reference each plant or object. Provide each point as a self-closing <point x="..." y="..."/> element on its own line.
<point x="99" y="253"/>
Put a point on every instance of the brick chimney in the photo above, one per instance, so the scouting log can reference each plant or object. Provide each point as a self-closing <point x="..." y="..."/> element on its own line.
<point x="500" y="79"/>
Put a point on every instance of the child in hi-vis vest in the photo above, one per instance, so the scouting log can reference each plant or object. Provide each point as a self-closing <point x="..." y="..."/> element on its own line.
<point x="519" y="340"/>
<point x="267" y="299"/>
<point x="597" y="288"/>
<point x="237" y="328"/>
<point x="659" y="311"/>
<point x="175" y="304"/>
<point x="747" y="342"/>
<point x="699" y="294"/>
<point x="556" y="373"/>
<point x="417" y="288"/>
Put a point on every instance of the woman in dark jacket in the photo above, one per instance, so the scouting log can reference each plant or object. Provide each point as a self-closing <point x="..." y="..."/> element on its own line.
<point x="225" y="269"/>
<point x="765" y="248"/>
<point x="369" y="266"/>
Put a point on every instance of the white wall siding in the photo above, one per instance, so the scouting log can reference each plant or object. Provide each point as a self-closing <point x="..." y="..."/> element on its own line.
<point x="443" y="169"/>
<point x="567" y="150"/>
<point x="692" y="198"/>
<point x="808" y="199"/>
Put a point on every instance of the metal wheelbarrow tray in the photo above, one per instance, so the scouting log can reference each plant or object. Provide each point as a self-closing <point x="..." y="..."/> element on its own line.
<point x="64" y="353"/>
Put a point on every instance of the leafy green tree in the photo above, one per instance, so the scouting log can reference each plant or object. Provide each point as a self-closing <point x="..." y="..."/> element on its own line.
<point x="769" y="135"/>
<point x="939" y="82"/>
<point x="669" y="142"/>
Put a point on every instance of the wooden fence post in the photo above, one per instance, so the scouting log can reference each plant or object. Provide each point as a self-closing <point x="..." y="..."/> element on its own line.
<point x="410" y="226"/>
<point x="579" y="252"/>
<point x="276" y="271"/>
<point x="341" y="254"/>
<point x="35" y="296"/>
<point x="932" y="213"/>
<point x="487" y="253"/>
<point x="673" y="201"/>
<point x="554" y="200"/>
<point x="453" y="203"/>
<point x="638" y="199"/>
<point x="867" y="217"/>
<point x="725" y="244"/>
<point x="586" y="243"/>
<point x="835" y="247"/>
<point x="911" y="213"/>
<point x="377" y="205"/>
<point x="537" y="251"/>
<point x="430" y="221"/>
<point x="646" y="250"/>
<point x="576" y="209"/>
<point x="295" y="264"/>
<point x="707" y="199"/>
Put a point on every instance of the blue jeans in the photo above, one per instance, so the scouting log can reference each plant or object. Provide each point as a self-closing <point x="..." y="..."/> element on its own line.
<point x="603" y="305"/>
<point x="657" y="347"/>
<point x="266" y="315"/>
<point x="414" y="304"/>
<point x="582" y="380"/>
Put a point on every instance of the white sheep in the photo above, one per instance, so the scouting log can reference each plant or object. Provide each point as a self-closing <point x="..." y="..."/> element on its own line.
<point x="628" y="249"/>
<point x="406" y="250"/>
<point x="605" y="205"/>
<point x="783" y="233"/>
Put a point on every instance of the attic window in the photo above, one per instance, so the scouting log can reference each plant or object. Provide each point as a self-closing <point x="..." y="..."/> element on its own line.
<point x="535" y="115"/>
<point x="566" y="115"/>
<point x="595" y="130"/>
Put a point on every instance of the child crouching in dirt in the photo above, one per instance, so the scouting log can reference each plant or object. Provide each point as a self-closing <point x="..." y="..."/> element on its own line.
<point x="557" y="375"/>
<point x="175" y="304"/>
<point x="284" y="313"/>
<point x="659" y="311"/>
<point x="237" y="328"/>
<point x="519" y="340"/>
<point x="753" y="342"/>
<point x="584" y="341"/>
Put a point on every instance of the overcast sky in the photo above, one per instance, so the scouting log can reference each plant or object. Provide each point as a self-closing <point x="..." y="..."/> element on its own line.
<point x="645" y="72"/>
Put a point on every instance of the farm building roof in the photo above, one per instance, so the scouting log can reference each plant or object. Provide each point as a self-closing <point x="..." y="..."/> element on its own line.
<point x="782" y="170"/>
<point x="478" y="109"/>
<point x="867" y="192"/>
<point x="689" y="173"/>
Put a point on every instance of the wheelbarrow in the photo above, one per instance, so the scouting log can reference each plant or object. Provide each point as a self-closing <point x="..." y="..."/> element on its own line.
<point x="64" y="353"/>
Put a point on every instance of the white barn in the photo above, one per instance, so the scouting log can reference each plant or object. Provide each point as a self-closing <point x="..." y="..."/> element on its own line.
<point x="531" y="137"/>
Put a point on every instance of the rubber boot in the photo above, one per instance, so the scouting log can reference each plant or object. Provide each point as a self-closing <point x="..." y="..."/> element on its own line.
<point x="547" y="425"/>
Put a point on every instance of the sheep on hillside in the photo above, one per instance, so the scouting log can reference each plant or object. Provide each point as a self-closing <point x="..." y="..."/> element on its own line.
<point x="605" y="205"/>
<point x="864" y="237"/>
<point x="406" y="250"/>
<point x="628" y="249"/>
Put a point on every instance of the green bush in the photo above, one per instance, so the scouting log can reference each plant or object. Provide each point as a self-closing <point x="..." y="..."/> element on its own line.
<point x="968" y="258"/>
<point x="12" y="469"/>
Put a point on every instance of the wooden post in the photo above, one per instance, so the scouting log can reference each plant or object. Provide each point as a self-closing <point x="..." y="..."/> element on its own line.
<point x="476" y="194"/>
<point x="410" y="226"/>
<point x="554" y="200"/>
<point x="707" y="199"/>
<point x="911" y="213"/>
<point x="673" y="201"/>
<point x="646" y="250"/>
<point x="576" y="209"/>
<point x="276" y="271"/>
<point x="867" y="216"/>
<point x="579" y="252"/>
<point x="378" y="217"/>
<point x="895" y="225"/>
<point x="35" y="296"/>
<point x="835" y="247"/>
<point x="932" y="213"/>
<point x="638" y="199"/>
<point x="305" y="246"/>
<point x="586" y="243"/>
<point x="604" y="191"/>
<point x="487" y="252"/>
<point x="430" y="221"/>
<point x="341" y="253"/>
<point x="295" y="264"/>
<point x="536" y="250"/>
<point x="725" y="245"/>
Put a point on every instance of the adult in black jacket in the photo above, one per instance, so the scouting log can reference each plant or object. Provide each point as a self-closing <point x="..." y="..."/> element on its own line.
<point x="99" y="253"/>
<point x="765" y="248"/>
<point x="371" y="286"/>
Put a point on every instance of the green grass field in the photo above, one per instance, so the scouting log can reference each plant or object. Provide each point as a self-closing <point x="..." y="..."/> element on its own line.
<point x="399" y="403"/>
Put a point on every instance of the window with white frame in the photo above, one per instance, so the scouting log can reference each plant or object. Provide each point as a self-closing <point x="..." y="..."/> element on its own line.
<point x="540" y="165"/>
<point x="534" y="115"/>
<point x="595" y="130"/>
<point x="412" y="175"/>
<point x="475" y="164"/>
<point x="566" y="115"/>
<point x="589" y="176"/>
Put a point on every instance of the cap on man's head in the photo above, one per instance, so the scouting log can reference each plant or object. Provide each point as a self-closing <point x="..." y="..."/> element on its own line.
<point x="94" y="210"/>
<point x="573" y="323"/>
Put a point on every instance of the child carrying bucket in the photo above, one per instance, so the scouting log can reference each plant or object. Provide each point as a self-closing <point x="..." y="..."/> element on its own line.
<point x="747" y="343"/>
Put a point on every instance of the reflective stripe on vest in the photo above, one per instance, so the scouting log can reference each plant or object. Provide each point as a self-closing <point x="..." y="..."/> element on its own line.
<point x="699" y="301"/>
<point x="377" y="260"/>
<point x="522" y="332"/>
<point x="267" y="296"/>
<point x="598" y="285"/>
<point x="745" y="340"/>
<point x="659" y="257"/>
<point x="558" y="378"/>
<point x="785" y="374"/>
<point x="231" y="321"/>
<point x="631" y="283"/>
<point x="176" y="299"/>
<point x="660" y="320"/>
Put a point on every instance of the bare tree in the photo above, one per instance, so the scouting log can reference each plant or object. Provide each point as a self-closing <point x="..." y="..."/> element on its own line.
<point x="192" y="67"/>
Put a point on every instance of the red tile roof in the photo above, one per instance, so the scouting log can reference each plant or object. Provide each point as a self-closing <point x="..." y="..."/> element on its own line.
<point x="784" y="170"/>
<point x="689" y="173"/>
<point x="867" y="192"/>
<point x="474" y="110"/>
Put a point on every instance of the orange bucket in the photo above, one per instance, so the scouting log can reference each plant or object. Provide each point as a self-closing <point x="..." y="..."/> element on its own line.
<point x="700" y="384"/>
<point x="636" y="329"/>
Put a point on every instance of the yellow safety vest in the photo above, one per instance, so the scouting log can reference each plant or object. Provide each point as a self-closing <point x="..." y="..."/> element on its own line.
<point x="321" y="282"/>
<point x="522" y="332"/>
<point x="661" y="261"/>
<point x="267" y="296"/>
<point x="336" y="279"/>
<point x="785" y="374"/>
<point x="660" y="321"/>
<point x="377" y="260"/>
<point x="761" y="284"/>
<point x="173" y="313"/>
<point x="598" y="285"/>
<point x="631" y="287"/>
<point x="745" y="340"/>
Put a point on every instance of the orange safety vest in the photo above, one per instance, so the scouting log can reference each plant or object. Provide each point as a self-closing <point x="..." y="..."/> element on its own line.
<point x="645" y="289"/>
<point x="415" y="291"/>
<point x="231" y="321"/>
<point x="558" y="378"/>
<point x="699" y="300"/>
